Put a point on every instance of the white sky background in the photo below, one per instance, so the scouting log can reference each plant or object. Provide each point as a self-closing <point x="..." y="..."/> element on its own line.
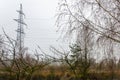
<point x="40" y="18"/>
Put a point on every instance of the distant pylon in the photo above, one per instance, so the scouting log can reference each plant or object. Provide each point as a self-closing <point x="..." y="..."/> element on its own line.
<point x="20" y="30"/>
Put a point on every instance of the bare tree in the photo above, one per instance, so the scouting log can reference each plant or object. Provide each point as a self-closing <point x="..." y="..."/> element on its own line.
<point x="102" y="16"/>
<point x="108" y="46"/>
<point x="95" y="12"/>
<point x="17" y="67"/>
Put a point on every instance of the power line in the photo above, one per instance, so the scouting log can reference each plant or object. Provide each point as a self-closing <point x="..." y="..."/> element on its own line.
<point x="39" y="18"/>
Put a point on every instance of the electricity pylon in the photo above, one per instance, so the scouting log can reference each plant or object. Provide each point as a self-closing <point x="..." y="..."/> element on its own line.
<point x="20" y="30"/>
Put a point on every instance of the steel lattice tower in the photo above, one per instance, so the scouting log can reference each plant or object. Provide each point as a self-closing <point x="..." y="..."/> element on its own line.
<point x="20" y="30"/>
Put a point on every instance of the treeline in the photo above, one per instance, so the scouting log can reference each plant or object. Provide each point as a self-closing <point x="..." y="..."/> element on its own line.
<point x="76" y="64"/>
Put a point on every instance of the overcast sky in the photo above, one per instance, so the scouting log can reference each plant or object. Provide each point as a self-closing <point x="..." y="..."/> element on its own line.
<point x="40" y="18"/>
